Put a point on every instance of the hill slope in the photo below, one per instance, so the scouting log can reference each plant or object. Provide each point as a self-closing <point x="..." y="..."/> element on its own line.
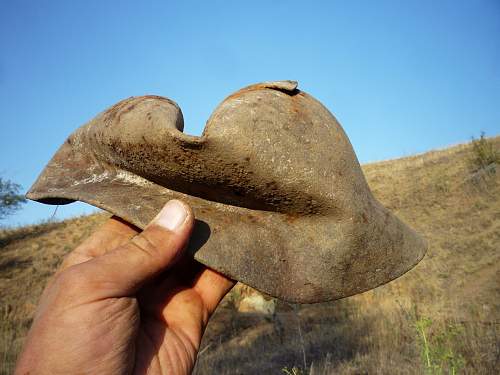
<point x="452" y="297"/>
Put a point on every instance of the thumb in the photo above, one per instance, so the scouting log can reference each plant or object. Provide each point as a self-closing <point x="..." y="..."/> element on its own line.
<point x="125" y="269"/>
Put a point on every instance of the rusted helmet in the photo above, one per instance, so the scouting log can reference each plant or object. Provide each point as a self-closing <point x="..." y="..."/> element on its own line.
<point x="280" y="201"/>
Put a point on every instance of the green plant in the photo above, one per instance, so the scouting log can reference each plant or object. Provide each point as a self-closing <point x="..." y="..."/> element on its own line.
<point x="421" y="325"/>
<point x="484" y="153"/>
<point x="438" y="350"/>
<point x="10" y="199"/>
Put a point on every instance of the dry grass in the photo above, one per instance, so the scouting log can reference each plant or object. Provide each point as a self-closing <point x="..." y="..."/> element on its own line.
<point x="28" y="257"/>
<point x="452" y="297"/>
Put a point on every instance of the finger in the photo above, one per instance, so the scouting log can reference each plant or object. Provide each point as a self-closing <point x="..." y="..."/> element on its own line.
<point x="211" y="286"/>
<point x="113" y="233"/>
<point x="125" y="269"/>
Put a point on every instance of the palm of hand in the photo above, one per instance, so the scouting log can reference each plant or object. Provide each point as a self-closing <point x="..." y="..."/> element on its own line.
<point x="170" y="329"/>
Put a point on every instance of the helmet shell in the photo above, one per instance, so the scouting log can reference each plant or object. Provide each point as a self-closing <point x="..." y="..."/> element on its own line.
<point x="280" y="200"/>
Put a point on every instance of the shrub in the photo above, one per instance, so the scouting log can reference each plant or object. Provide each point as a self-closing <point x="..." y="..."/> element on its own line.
<point x="484" y="153"/>
<point x="10" y="199"/>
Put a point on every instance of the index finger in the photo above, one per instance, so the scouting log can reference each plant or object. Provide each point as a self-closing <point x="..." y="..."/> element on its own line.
<point x="113" y="233"/>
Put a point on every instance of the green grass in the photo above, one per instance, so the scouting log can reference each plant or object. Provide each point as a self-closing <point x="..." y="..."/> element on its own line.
<point x="439" y="347"/>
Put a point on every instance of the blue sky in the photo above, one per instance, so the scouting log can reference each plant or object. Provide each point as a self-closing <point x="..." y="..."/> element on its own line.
<point x="402" y="77"/>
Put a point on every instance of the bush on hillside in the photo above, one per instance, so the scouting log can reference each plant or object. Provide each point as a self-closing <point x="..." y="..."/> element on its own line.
<point x="10" y="199"/>
<point x="484" y="154"/>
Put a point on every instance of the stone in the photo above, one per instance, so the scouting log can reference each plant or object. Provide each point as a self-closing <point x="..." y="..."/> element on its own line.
<point x="257" y="303"/>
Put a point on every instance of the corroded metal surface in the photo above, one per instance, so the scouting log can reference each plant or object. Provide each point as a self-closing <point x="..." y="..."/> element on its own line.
<point x="279" y="196"/>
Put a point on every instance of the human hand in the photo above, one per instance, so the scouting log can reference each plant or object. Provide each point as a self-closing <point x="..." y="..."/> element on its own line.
<point x="119" y="305"/>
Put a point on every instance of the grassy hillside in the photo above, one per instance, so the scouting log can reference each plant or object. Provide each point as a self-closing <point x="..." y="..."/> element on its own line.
<point x="442" y="317"/>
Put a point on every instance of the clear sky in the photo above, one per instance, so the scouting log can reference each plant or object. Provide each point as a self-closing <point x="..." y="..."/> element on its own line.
<point x="402" y="77"/>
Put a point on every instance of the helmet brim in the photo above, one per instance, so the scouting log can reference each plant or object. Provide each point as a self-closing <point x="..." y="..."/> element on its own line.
<point x="303" y="259"/>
